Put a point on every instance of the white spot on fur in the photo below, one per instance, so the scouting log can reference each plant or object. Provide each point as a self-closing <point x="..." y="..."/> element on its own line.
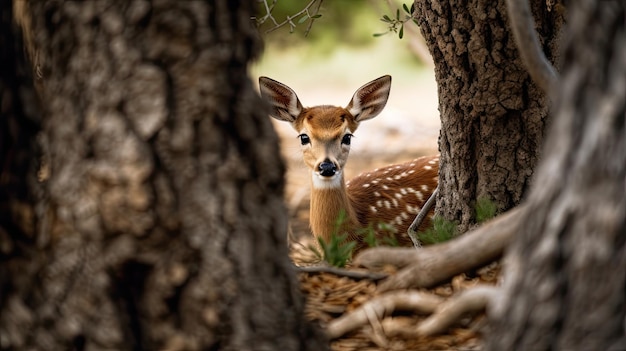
<point x="366" y="185"/>
<point x="379" y="203"/>
<point x="385" y="187"/>
<point x="387" y="204"/>
<point x="373" y="209"/>
<point x="413" y="209"/>
<point x="376" y="193"/>
<point x="419" y="196"/>
<point x="395" y="202"/>
<point x="398" y="195"/>
<point x="424" y="187"/>
<point x="403" y="191"/>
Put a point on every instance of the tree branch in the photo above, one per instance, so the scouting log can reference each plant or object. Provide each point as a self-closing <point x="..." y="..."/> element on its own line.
<point x="436" y="263"/>
<point x="289" y="20"/>
<point x="523" y="27"/>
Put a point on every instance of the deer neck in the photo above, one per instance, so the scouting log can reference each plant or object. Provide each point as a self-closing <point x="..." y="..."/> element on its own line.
<point x="329" y="204"/>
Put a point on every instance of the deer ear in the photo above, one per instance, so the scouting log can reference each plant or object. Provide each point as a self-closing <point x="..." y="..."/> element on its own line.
<point x="370" y="99"/>
<point x="283" y="101"/>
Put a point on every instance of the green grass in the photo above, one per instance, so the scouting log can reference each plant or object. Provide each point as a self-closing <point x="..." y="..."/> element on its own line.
<point x="441" y="231"/>
<point x="485" y="209"/>
<point x="382" y="234"/>
<point x="338" y="250"/>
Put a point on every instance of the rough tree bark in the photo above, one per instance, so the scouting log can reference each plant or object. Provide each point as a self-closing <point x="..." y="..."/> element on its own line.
<point x="492" y="115"/>
<point x="163" y="226"/>
<point x="565" y="283"/>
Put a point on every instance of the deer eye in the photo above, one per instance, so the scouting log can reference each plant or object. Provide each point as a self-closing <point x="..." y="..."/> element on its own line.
<point x="304" y="139"/>
<point x="346" y="139"/>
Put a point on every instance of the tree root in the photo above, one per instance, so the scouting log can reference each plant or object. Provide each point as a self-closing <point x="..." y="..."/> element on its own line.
<point x="444" y="313"/>
<point x="431" y="265"/>
<point x="380" y="306"/>
<point x="470" y="301"/>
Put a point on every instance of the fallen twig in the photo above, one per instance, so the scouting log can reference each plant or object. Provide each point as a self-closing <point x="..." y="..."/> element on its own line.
<point x="412" y="231"/>
<point x="354" y="274"/>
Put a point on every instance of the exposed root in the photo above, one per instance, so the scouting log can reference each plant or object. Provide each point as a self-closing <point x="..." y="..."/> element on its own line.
<point x="380" y="306"/>
<point x="470" y="301"/>
<point x="433" y="264"/>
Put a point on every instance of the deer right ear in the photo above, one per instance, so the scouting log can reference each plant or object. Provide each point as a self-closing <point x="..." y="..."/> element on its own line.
<point x="284" y="102"/>
<point x="370" y="99"/>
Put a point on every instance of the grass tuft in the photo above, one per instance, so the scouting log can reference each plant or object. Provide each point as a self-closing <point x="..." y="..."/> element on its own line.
<point x="441" y="231"/>
<point x="485" y="209"/>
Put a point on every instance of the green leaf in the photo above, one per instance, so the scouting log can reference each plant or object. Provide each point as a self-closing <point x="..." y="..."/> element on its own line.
<point x="412" y="8"/>
<point x="406" y="9"/>
<point x="303" y="19"/>
<point x="316" y="16"/>
<point x="379" y="34"/>
<point x="398" y="14"/>
<point x="401" y="34"/>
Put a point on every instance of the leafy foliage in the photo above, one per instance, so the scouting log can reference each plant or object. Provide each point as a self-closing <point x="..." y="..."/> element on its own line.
<point x="396" y="24"/>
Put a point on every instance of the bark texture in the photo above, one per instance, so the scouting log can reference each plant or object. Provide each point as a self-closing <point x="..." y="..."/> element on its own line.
<point x="565" y="285"/>
<point x="164" y="226"/>
<point x="492" y="115"/>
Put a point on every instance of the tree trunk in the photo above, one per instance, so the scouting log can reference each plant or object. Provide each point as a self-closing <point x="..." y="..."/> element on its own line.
<point x="492" y="115"/>
<point x="565" y="282"/>
<point x="164" y="226"/>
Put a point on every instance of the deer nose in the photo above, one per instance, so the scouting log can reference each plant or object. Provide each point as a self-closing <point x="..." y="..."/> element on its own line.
<point x="327" y="168"/>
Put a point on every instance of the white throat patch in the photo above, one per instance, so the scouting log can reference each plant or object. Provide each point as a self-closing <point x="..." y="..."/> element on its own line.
<point x="320" y="182"/>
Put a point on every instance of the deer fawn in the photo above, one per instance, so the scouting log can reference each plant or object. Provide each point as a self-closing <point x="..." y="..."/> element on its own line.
<point x="391" y="195"/>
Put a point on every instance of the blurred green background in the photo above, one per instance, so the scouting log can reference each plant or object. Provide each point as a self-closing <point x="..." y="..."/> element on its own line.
<point x="340" y="45"/>
<point x="339" y="55"/>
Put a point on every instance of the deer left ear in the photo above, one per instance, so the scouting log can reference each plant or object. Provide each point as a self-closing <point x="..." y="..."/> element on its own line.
<point x="370" y="99"/>
<point x="283" y="101"/>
